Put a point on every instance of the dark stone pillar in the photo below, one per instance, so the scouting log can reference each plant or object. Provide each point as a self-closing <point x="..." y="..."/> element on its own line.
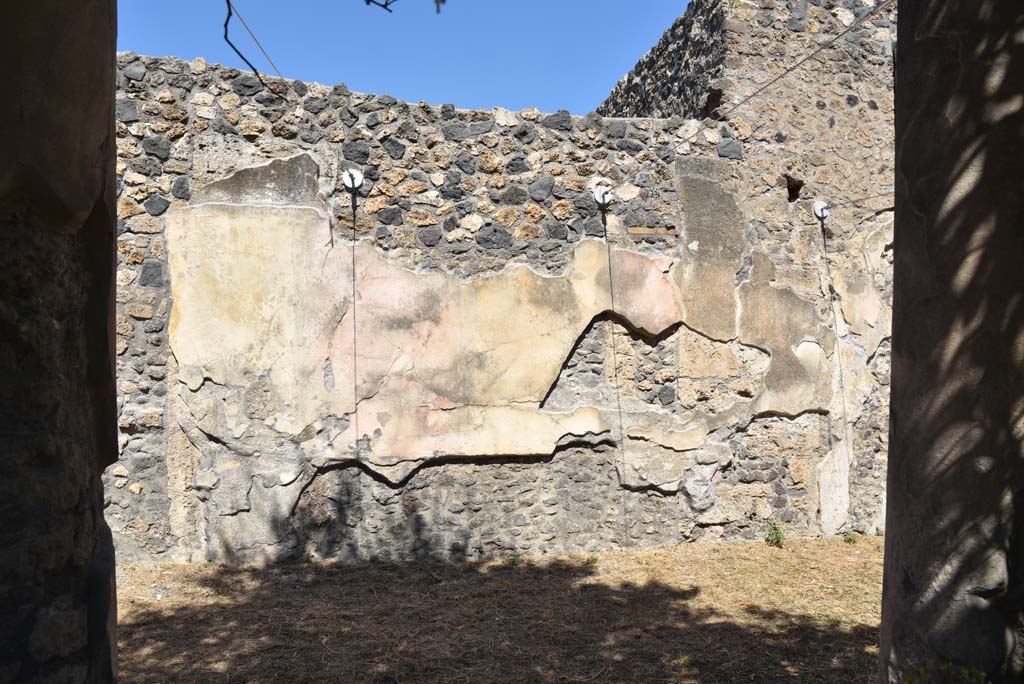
<point x="954" y="566"/>
<point x="57" y="400"/>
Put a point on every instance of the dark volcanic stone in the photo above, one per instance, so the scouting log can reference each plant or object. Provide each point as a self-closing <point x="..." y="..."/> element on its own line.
<point x="315" y="105"/>
<point x="514" y="194"/>
<point x="630" y="145"/>
<point x="555" y="230"/>
<point x="223" y="127"/>
<point x="524" y="133"/>
<point x="268" y="99"/>
<point x="151" y="274"/>
<point x="730" y="149"/>
<point x="348" y="117"/>
<point x="430" y="235"/>
<point x="540" y="189"/>
<point x="246" y="85"/>
<point x="127" y="111"/>
<point x="183" y="81"/>
<point x="452" y="191"/>
<point x="158" y="146"/>
<point x="310" y="134"/>
<point x="357" y="151"/>
<point x="135" y="72"/>
<point x="272" y="114"/>
<point x="455" y="130"/>
<point x="517" y="165"/>
<point x="395" y="149"/>
<point x="559" y="121"/>
<point x="593" y="227"/>
<point x="457" y="247"/>
<point x="493" y="237"/>
<point x="180" y="188"/>
<point x="391" y="216"/>
<point x="466" y="162"/>
<point x="616" y="129"/>
<point x="147" y="166"/>
<point x="481" y="127"/>
<point x="156" y="205"/>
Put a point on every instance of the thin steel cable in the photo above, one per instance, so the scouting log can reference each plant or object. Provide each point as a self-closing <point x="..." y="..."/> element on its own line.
<point x="824" y="238"/>
<point x="615" y="384"/>
<point x="227" y="39"/>
<point x="862" y="199"/>
<point x="796" y="65"/>
<point x="256" y="40"/>
<point x="839" y="345"/>
<point x="355" y="358"/>
<point x="835" y="315"/>
<point x="806" y="58"/>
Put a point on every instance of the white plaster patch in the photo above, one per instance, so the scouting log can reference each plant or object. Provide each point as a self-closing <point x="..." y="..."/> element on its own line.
<point x="834" y="489"/>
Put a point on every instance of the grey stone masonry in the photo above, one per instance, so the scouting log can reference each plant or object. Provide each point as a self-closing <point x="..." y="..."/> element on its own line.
<point x="788" y="369"/>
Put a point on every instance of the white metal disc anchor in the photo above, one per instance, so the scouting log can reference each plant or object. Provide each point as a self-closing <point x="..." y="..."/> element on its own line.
<point x="821" y="210"/>
<point x="603" y="196"/>
<point x="352" y="179"/>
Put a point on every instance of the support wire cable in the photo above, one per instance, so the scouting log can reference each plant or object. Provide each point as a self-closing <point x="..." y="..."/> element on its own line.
<point x="233" y="11"/>
<point x="615" y="384"/>
<point x="863" y="199"/>
<point x="355" y="357"/>
<point x="806" y="58"/>
<point x="839" y="345"/>
<point x="256" y="40"/>
<point x="796" y="65"/>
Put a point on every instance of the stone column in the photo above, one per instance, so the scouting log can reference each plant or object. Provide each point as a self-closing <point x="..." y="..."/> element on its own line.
<point x="57" y="400"/>
<point x="955" y="547"/>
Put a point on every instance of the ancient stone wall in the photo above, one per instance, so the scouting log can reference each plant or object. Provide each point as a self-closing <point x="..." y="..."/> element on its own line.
<point x="827" y="132"/>
<point x="680" y="75"/>
<point x="517" y="387"/>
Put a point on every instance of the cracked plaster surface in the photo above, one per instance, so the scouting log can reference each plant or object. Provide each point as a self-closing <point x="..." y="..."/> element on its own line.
<point x="442" y="367"/>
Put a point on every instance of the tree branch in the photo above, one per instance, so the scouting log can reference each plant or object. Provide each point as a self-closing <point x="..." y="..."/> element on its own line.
<point x="386" y="4"/>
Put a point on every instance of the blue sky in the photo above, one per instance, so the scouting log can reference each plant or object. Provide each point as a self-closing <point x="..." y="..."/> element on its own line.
<point x="551" y="54"/>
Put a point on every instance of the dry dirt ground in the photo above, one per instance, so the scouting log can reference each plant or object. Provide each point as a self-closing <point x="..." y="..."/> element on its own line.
<point x="740" y="612"/>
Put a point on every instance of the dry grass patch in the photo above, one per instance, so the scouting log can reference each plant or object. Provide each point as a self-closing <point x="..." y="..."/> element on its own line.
<point x="703" y="613"/>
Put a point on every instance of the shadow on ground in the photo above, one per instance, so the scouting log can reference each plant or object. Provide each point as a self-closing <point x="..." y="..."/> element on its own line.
<point x="432" y="622"/>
